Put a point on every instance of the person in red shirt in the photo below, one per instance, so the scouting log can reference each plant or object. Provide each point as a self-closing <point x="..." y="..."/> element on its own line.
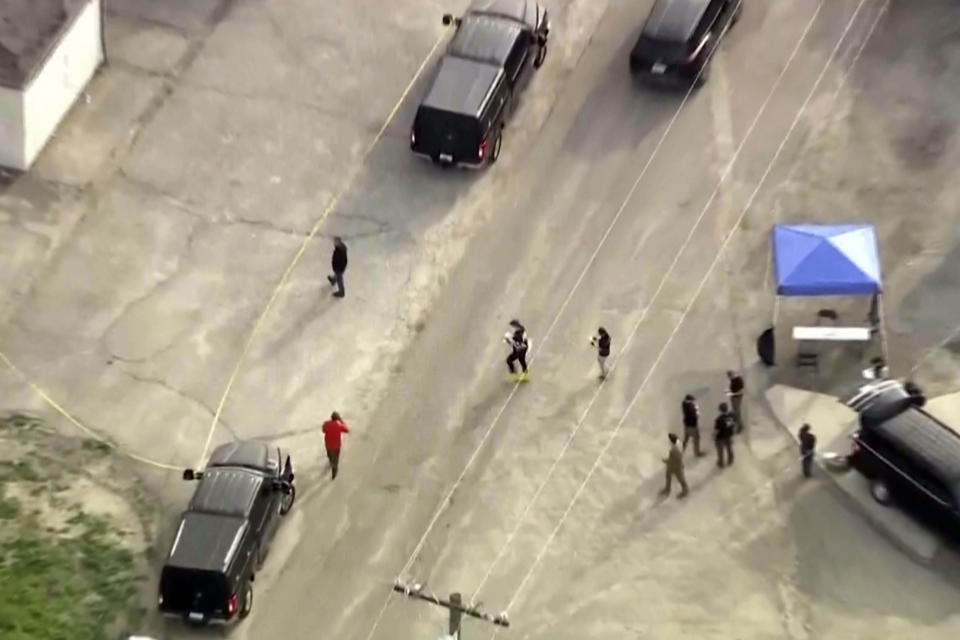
<point x="333" y="429"/>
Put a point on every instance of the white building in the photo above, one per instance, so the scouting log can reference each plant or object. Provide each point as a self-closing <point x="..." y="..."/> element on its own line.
<point x="49" y="49"/>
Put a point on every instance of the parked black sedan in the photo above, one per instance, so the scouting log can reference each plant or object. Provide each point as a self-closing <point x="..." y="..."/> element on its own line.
<point x="679" y="38"/>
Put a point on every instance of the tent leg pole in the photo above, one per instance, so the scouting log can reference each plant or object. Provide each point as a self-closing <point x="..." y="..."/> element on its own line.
<point x="883" y="330"/>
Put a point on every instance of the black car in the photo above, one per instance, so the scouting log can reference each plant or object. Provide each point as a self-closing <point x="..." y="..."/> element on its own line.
<point x="909" y="456"/>
<point x="679" y="38"/>
<point x="225" y="533"/>
<point x="488" y="61"/>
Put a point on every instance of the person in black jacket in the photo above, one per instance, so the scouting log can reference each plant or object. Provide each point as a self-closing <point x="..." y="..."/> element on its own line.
<point x="723" y="428"/>
<point x="808" y="444"/>
<point x="691" y="424"/>
<point x="602" y="342"/>
<point x="339" y="264"/>
<point x="519" y="343"/>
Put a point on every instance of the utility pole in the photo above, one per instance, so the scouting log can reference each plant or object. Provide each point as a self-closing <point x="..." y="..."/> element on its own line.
<point x="454" y="604"/>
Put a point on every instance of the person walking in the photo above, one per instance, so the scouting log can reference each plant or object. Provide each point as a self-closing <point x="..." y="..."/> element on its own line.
<point x="808" y="444"/>
<point x="691" y="424"/>
<point x="602" y="342"/>
<point x="333" y="430"/>
<point x="519" y="344"/>
<point x="736" y="397"/>
<point x="674" y="464"/>
<point x="338" y="263"/>
<point x="723" y="429"/>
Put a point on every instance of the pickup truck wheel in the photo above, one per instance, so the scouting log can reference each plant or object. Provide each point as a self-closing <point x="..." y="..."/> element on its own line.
<point x="495" y="153"/>
<point x="247" y="600"/>
<point x="880" y="491"/>
<point x="541" y="55"/>
<point x="287" y="502"/>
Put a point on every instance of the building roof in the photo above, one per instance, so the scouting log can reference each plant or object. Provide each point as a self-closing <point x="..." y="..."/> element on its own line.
<point x="29" y="29"/>
<point x="484" y="39"/>
<point x="674" y="20"/>
<point x="461" y="86"/>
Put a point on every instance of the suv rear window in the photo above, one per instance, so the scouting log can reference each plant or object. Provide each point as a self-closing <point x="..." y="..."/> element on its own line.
<point x="193" y="590"/>
<point x="654" y="49"/>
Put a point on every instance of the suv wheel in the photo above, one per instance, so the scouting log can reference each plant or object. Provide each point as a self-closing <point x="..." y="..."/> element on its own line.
<point x="247" y="600"/>
<point x="495" y="153"/>
<point x="288" y="499"/>
<point x="541" y="55"/>
<point x="880" y="491"/>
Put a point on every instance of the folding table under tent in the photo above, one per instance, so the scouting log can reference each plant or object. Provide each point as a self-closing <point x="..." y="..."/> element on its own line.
<point x="828" y="260"/>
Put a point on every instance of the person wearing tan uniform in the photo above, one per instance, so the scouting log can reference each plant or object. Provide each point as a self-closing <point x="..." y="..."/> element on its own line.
<point x="674" y="464"/>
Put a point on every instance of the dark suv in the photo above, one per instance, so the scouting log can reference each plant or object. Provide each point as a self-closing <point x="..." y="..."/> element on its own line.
<point x="225" y="533"/>
<point x="476" y="84"/>
<point x="909" y="456"/>
<point x="679" y="37"/>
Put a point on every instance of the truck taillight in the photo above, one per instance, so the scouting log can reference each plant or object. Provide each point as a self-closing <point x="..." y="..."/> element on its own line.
<point x="482" y="151"/>
<point x="231" y="605"/>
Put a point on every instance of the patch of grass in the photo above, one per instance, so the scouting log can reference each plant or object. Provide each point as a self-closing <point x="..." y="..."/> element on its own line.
<point x="95" y="446"/>
<point x="26" y="471"/>
<point x="9" y="508"/>
<point x="64" y="588"/>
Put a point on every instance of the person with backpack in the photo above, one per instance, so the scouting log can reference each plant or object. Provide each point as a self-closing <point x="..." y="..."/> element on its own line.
<point x="602" y="342"/>
<point x="519" y="344"/>
<point x="723" y="429"/>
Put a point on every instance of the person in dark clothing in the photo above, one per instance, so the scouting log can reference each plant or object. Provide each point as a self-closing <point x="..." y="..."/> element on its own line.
<point x="723" y="429"/>
<point x="339" y="264"/>
<point x="602" y="342"/>
<point x="519" y="344"/>
<point x="808" y="443"/>
<point x="736" y="397"/>
<point x="691" y="424"/>
<point x="333" y="430"/>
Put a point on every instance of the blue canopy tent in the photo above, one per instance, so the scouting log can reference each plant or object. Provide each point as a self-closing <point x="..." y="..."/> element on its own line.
<point x="828" y="260"/>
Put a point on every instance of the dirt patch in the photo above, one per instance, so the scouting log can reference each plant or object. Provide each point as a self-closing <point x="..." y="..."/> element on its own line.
<point x="74" y="530"/>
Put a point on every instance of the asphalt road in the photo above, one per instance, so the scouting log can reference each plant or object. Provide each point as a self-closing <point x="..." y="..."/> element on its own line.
<point x="140" y="310"/>
<point x="748" y="556"/>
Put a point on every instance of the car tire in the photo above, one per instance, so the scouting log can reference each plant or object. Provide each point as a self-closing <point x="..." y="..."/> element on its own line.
<point x="495" y="153"/>
<point x="247" y="600"/>
<point x="541" y="56"/>
<point x="880" y="491"/>
<point x="287" y="503"/>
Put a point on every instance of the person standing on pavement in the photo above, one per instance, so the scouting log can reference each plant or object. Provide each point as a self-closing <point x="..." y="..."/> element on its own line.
<point x="338" y="263"/>
<point x="808" y="444"/>
<point x="519" y="344"/>
<point x="602" y="342"/>
<point x="723" y="429"/>
<point x="674" y="464"/>
<point x="691" y="424"/>
<point x="333" y="430"/>
<point x="736" y="397"/>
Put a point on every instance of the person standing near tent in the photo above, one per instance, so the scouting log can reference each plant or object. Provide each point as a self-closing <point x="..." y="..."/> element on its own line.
<point x="723" y="428"/>
<point x="808" y="443"/>
<point x="736" y="397"/>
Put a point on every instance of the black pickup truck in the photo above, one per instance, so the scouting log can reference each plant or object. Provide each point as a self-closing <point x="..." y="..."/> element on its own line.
<point x="487" y="63"/>
<point x="225" y="533"/>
